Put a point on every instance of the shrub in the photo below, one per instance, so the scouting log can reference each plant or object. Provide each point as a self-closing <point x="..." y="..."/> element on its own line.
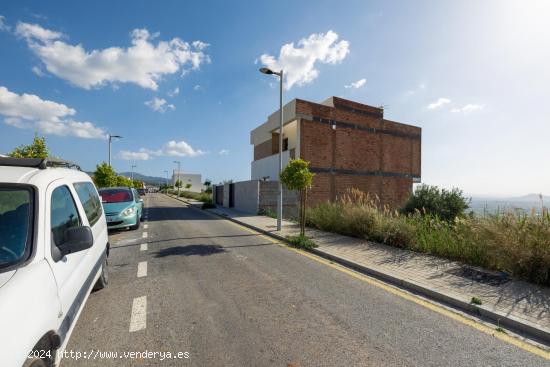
<point x="301" y="241"/>
<point x="433" y="201"/>
<point x="267" y="212"/>
<point x="515" y="243"/>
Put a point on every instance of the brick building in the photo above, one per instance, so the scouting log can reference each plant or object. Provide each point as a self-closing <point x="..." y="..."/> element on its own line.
<point x="348" y="145"/>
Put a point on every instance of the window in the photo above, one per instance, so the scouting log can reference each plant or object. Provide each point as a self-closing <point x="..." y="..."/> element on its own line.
<point x="64" y="214"/>
<point x="90" y="201"/>
<point x="16" y="220"/>
<point x="285" y="144"/>
<point x="115" y="195"/>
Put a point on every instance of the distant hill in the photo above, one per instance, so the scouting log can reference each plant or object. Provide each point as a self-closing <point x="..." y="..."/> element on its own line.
<point x="149" y="180"/>
<point x="530" y="197"/>
<point x="525" y="203"/>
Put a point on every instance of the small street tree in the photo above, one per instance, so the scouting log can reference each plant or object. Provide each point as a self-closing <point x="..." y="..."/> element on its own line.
<point x="105" y="176"/>
<point x="178" y="185"/>
<point x="37" y="149"/>
<point x="188" y="186"/>
<point x="297" y="176"/>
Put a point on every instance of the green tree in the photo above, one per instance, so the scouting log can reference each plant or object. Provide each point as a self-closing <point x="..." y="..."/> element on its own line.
<point x="431" y="200"/>
<point x="123" y="181"/>
<point x="37" y="149"/>
<point x="297" y="176"/>
<point x="137" y="184"/>
<point x="178" y="183"/>
<point x="104" y="176"/>
<point x="188" y="186"/>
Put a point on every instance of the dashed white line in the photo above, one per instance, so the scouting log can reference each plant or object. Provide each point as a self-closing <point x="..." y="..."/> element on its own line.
<point x="143" y="247"/>
<point x="138" y="320"/>
<point x="142" y="269"/>
<point x="145" y="226"/>
<point x="145" y="235"/>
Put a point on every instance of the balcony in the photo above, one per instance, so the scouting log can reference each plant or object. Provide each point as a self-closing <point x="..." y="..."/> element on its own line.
<point x="268" y="168"/>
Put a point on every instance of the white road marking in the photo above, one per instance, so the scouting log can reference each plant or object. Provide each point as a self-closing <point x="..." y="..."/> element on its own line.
<point x="142" y="269"/>
<point x="145" y="234"/>
<point x="143" y="247"/>
<point x="138" y="320"/>
<point x="145" y="226"/>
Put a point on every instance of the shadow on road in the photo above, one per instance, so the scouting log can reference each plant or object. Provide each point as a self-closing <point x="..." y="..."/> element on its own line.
<point x="163" y="213"/>
<point x="190" y="250"/>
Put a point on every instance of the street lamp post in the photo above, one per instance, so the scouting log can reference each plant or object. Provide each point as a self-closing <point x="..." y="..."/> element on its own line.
<point x="110" y="139"/>
<point x="166" y="183"/>
<point x="178" y="176"/>
<point x="133" y="166"/>
<point x="280" y="198"/>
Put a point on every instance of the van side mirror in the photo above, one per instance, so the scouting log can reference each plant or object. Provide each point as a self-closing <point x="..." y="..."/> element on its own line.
<point x="78" y="239"/>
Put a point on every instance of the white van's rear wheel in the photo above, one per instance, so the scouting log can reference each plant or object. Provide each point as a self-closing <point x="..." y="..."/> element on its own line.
<point x="103" y="279"/>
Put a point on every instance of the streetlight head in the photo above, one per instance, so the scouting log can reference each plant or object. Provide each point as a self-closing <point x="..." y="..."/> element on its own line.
<point x="266" y="71"/>
<point x="116" y="136"/>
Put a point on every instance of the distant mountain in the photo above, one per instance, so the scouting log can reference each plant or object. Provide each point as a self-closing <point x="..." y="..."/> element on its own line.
<point x="530" y="197"/>
<point x="149" y="180"/>
<point x="525" y="203"/>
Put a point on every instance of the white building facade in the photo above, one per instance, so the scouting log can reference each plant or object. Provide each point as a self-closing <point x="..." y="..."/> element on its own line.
<point x="194" y="179"/>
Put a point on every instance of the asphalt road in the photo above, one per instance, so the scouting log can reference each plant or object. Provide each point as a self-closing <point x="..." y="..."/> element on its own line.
<point x="229" y="297"/>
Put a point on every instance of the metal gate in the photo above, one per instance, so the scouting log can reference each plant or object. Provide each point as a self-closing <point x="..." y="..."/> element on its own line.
<point x="219" y="195"/>
<point x="231" y="195"/>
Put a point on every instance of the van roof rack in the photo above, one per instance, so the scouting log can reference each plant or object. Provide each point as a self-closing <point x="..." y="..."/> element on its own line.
<point x="40" y="163"/>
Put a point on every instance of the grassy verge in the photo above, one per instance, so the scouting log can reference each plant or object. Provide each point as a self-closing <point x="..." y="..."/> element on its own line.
<point x="300" y="241"/>
<point x="518" y="244"/>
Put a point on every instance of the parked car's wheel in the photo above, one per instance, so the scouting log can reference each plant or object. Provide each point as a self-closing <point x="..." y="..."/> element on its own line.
<point x="135" y="226"/>
<point x="35" y="362"/>
<point x="103" y="279"/>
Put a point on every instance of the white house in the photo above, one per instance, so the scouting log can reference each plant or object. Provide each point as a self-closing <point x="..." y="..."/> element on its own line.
<point x="195" y="179"/>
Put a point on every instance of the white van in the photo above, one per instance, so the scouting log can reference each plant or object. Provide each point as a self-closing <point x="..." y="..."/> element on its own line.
<point x="53" y="252"/>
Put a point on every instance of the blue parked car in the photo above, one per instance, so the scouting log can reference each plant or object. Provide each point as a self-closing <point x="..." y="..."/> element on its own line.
<point x="122" y="206"/>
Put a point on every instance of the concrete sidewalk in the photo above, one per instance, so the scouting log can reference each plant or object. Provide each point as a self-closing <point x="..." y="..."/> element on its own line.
<point x="520" y="306"/>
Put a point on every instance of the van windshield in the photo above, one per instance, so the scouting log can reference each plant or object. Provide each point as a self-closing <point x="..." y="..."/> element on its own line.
<point x="15" y="224"/>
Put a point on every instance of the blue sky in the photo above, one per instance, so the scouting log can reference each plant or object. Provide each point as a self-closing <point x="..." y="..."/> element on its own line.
<point x="474" y="75"/>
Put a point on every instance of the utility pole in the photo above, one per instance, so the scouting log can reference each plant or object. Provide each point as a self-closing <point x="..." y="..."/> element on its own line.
<point x="133" y="166"/>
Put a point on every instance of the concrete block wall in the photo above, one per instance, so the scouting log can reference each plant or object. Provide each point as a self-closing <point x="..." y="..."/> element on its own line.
<point x="247" y="196"/>
<point x="268" y="195"/>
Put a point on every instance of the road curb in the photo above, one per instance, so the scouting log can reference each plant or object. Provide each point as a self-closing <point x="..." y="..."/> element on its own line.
<point x="510" y="322"/>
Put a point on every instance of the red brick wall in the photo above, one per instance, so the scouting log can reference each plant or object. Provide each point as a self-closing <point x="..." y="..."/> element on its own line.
<point x="360" y="151"/>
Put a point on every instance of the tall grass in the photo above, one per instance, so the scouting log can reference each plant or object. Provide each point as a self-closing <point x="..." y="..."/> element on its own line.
<point x="516" y="243"/>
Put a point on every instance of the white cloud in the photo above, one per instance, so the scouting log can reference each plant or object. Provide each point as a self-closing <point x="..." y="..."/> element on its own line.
<point x="134" y="156"/>
<point x="419" y="88"/>
<point x="358" y="84"/>
<point x="159" y="105"/>
<point x="439" y="103"/>
<point x="34" y="32"/>
<point x="180" y="149"/>
<point x="174" y="92"/>
<point x="197" y="87"/>
<point x="299" y="62"/>
<point x="468" y="108"/>
<point x="3" y="25"/>
<point x="37" y="71"/>
<point x="143" y="63"/>
<point x="28" y="111"/>
<point x="223" y="152"/>
<point x="170" y="149"/>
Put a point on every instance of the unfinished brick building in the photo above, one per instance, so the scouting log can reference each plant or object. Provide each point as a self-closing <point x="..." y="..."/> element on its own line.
<point x="348" y="145"/>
